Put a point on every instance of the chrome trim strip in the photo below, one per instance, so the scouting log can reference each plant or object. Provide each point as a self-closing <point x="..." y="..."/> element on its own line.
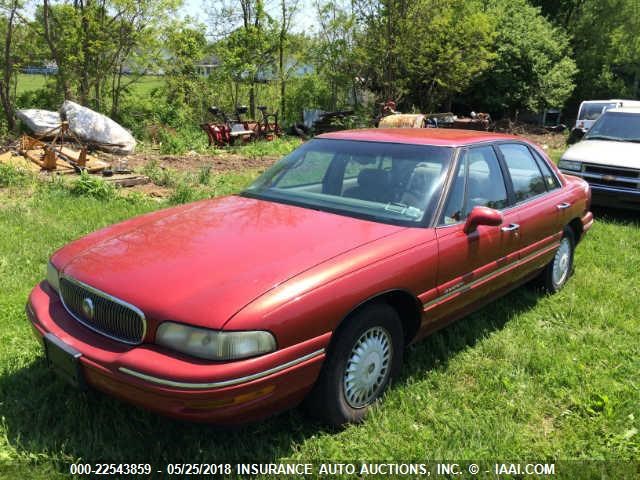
<point x="467" y="286"/>
<point x="111" y="298"/>
<point x="224" y="383"/>
<point x="616" y="178"/>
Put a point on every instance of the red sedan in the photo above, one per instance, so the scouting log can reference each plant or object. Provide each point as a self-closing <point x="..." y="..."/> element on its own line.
<point x="311" y="282"/>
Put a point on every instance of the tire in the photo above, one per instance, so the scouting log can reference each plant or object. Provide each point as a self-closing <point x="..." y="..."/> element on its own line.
<point x="376" y="331"/>
<point x="557" y="272"/>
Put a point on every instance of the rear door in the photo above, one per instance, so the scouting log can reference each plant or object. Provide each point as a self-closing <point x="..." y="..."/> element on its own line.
<point x="538" y="201"/>
<point x="471" y="266"/>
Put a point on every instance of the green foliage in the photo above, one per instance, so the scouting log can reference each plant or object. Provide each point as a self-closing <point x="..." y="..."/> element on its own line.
<point x="276" y="148"/>
<point x="46" y="98"/>
<point x="164" y="177"/>
<point x="92" y="186"/>
<point x="14" y="177"/>
<point x="533" y="68"/>
<point x="204" y="175"/>
<point x="183" y="193"/>
<point x="442" y="48"/>
<point x="605" y="43"/>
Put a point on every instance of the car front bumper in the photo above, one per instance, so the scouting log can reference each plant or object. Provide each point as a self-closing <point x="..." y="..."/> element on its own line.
<point x="608" y="196"/>
<point x="615" y="197"/>
<point x="226" y="393"/>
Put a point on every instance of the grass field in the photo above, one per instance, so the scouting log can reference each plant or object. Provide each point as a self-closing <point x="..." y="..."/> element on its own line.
<point x="28" y="82"/>
<point x="528" y="377"/>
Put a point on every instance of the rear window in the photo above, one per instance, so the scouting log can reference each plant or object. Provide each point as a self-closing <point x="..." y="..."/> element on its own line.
<point x="525" y="174"/>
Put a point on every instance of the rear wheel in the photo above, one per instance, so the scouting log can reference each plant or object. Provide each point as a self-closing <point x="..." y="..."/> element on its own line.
<point x="364" y="358"/>
<point x="558" y="271"/>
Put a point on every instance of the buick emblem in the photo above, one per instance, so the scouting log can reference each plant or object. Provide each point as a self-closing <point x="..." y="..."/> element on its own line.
<point x="88" y="309"/>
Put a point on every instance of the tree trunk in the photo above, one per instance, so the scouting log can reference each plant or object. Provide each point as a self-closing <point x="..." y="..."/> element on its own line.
<point x="7" y="73"/>
<point x="283" y="33"/>
<point x="83" y="91"/>
<point x="252" y="100"/>
<point x="61" y="78"/>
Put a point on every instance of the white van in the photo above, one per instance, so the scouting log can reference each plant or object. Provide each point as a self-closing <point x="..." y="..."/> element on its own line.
<point x="590" y="110"/>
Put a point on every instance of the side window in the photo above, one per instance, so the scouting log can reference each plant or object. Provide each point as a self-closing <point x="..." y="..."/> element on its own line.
<point x="550" y="180"/>
<point x="478" y="182"/>
<point x="525" y="174"/>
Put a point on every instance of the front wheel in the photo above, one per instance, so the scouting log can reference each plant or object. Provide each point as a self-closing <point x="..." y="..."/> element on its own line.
<point x="363" y="360"/>
<point x="558" y="271"/>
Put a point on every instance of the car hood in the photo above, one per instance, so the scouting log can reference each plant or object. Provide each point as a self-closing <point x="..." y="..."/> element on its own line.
<point x="605" y="152"/>
<point x="203" y="262"/>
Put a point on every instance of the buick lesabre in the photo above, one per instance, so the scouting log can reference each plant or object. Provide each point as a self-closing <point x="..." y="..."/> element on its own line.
<point x="308" y="285"/>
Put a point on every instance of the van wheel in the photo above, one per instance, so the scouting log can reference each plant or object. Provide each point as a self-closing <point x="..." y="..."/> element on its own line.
<point x="365" y="357"/>
<point x="558" y="271"/>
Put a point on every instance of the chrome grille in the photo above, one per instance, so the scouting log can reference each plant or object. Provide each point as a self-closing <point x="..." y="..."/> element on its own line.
<point x="111" y="317"/>
<point x="611" y="176"/>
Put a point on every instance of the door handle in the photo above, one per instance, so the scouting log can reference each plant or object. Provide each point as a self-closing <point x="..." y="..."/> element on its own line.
<point x="563" y="206"/>
<point x="510" y="228"/>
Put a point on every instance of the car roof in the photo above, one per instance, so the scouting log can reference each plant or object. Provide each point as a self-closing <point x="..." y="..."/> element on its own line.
<point x="446" y="137"/>
<point x="635" y="109"/>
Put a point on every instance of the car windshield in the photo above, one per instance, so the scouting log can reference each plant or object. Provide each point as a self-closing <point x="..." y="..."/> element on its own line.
<point x="616" y="126"/>
<point x="591" y="111"/>
<point x="386" y="182"/>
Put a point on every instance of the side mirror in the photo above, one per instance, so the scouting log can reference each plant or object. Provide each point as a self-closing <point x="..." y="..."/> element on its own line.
<point x="482" y="216"/>
<point x="575" y="136"/>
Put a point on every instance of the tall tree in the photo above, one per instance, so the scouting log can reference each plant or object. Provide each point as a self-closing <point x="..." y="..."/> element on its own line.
<point x="92" y="42"/>
<point x="9" y="24"/>
<point x="425" y="51"/>
<point x="336" y="51"/>
<point x="533" y="69"/>
<point x="247" y="43"/>
<point x="287" y="11"/>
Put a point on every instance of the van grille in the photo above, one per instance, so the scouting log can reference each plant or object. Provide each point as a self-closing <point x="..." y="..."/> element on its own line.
<point x="612" y="176"/>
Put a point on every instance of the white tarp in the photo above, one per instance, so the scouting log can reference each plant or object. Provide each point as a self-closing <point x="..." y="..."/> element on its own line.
<point x="96" y="129"/>
<point x="40" y="122"/>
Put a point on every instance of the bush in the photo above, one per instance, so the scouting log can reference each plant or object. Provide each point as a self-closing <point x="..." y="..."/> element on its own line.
<point x="184" y="193"/>
<point x="163" y="177"/>
<point x="94" y="187"/>
<point x="14" y="177"/>
<point x="45" y="98"/>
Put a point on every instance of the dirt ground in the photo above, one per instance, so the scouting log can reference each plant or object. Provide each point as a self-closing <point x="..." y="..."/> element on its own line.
<point x="223" y="162"/>
<point x="226" y="162"/>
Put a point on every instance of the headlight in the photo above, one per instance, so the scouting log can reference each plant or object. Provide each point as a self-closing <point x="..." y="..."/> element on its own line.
<point x="214" y="344"/>
<point x="570" y="165"/>
<point x="53" y="277"/>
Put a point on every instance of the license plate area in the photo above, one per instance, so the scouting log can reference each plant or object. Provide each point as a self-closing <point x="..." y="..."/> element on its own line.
<point x="64" y="360"/>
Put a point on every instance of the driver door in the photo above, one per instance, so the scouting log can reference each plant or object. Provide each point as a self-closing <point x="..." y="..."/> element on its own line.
<point x="472" y="266"/>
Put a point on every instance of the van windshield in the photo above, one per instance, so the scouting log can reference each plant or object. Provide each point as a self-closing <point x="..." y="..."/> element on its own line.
<point x="591" y="111"/>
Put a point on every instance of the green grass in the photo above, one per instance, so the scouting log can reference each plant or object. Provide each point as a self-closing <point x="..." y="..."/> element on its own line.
<point x="528" y="377"/>
<point x="29" y="82"/>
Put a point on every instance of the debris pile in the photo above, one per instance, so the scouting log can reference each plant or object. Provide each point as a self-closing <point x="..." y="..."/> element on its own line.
<point x="60" y="142"/>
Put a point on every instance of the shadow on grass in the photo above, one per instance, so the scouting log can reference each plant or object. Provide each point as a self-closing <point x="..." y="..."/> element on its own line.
<point x="44" y="417"/>
<point x="436" y="350"/>
<point x="616" y="215"/>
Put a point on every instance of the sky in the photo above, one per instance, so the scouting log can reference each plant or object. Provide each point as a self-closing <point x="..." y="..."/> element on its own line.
<point x="304" y="21"/>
